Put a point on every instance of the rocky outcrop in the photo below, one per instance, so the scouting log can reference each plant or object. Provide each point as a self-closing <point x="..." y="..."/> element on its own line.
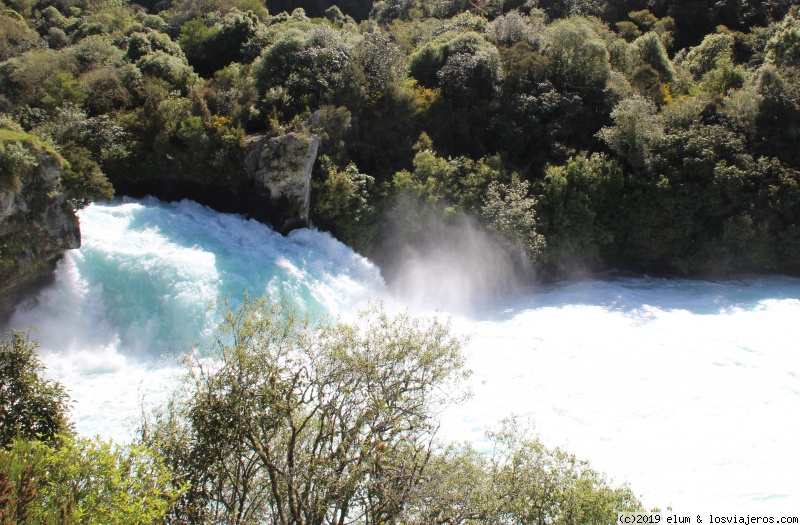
<point x="271" y="184"/>
<point x="278" y="178"/>
<point x="36" y="226"/>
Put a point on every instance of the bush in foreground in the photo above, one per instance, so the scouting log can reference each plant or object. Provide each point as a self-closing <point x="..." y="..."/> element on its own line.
<point x="284" y="419"/>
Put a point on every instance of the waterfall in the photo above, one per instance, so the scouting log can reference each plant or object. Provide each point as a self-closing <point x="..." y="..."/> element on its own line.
<point x="689" y="390"/>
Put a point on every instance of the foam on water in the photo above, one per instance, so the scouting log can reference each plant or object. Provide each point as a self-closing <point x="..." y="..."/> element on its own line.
<point x="138" y="292"/>
<point x="689" y="390"/>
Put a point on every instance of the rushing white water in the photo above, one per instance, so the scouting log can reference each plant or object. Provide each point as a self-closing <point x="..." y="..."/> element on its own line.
<point x="688" y="390"/>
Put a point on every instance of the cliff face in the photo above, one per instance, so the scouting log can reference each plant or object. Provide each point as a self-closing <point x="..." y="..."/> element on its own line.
<point x="36" y="226"/>
<point x="272" y="184"/>
<point x="278" y="179"/>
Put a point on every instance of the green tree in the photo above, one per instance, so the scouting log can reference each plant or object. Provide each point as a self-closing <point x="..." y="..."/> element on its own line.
<point x="725" y="78"/>
<point x="15" y="157"/>
<point x="105" y="91"/>
<point x="540" y="485"/>
<point x="380" y="59"/>
<point x="82" y="481"/>
<point x="212" y="43"/>
<point x="62" y="88"/>
<point x="344" y="204"/>
<point x="146" y="42"/>
<point x="637" y="126"/>
<point x="448" y="183"/>
<point x="714" y="50"/>
<point x="24" y="76"/>
<point x="102" y="136"/>
<point x="649" y="49"/>
<point x="31" y="406"/>
<point x="513" y="27"/>
<point x="465" y="66"/>
<point x="578" y="208"/>
<point x="691" y="209"/>
<point x="426" y="61"/>
<point x="644" y="19"/>
<point x="518" y="481"/>
<point x="628" y="31"/>
<point x="510" y="211"/>
<point x="15" y="36"/>
<point x="783" y="49"/>
<point x="296" y="421"/>
<point x="94" y="52"/>
<point x="646" y="82"/>
<point x="172" y="69"/>
<point x="82" y="179"/>
<point x="308" y="67"/>
<point x="196" y="41"/>
<point x="578" y="57"/>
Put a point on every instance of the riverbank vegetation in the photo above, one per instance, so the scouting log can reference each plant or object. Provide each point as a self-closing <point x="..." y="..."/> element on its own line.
<point x="630" y="134"/>
<point x="49" y="474"/>
<point x="287" y="419"/>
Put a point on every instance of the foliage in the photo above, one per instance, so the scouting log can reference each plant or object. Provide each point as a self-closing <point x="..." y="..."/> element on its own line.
<point x="783" y="49"/>
<point x="580" y="202"/>
<point x="289" y="420"/>
<point x="24" y="76"/>
<point x="106" y="90"/>
<point x="344" y="204"/>
<point x="465" y="66"/>
<point x="62" y="88"/>
<point x="541" y="485"/>
<point x="309" y="68"/>
<point x="724" y="78"/>
<point x="628" y="30"/>
<point x="470" y="74"/>
<point x="18" y="153"/>
<point x="380" y="59"/>
<point x="14" y="157"/>
<point x="82" y="481"/>
<point x="636" y="127"/>
<point x="172" y="69"/>
<point x="646" y="82"/>
<point x="510" y="211"/>
<point x="31" y="407"/>
<point x="162" y="100"/>
<point x="212" y="44"/>
<point x="513" y="27"/>
<point x="15" y="36"/>
<point x="93" y="52"/>
<point x="697" y="187"/>
<point x="141" y="43"/>
<point x="648" y="49"/>
<point x="70" y="125"/>
<point x="520" y="480"/>
<point x="578" y="57"/>
<point x="447" y="183"/>
<point x="711" y="52"/>
<point x="82" y="180"/>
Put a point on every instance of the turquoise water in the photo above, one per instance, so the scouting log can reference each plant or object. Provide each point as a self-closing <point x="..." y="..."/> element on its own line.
<point x="689" y="390"/>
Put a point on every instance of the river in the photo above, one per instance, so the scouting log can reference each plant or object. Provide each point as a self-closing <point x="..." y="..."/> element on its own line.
<point x="688" y="390"/>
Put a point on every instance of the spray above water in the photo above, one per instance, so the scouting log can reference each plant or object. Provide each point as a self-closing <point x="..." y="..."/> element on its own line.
<point x="455" y="266"/>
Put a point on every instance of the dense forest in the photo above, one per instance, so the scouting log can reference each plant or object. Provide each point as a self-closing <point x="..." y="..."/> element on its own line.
<point x="584" y="135"/>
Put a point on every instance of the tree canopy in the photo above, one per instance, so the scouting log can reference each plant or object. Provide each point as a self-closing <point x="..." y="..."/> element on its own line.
<point x="158" y="97"/>
<point x="289" y="419"/>
<point x="50" y="475"/>
<point x="31" y="406"/>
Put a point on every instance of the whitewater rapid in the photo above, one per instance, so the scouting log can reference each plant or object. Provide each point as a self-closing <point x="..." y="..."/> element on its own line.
<point x="688" y="390"/>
